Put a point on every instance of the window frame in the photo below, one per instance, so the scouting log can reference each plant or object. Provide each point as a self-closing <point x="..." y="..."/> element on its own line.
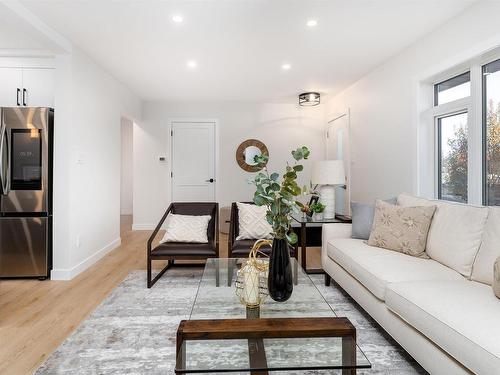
<point x="438" y="151"/>
<point x="484" y="127"/>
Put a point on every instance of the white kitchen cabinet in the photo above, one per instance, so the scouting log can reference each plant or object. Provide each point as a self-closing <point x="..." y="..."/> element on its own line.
<point x="27" y="87"/>
<point x="38" y="86"/>
<point x="11" y="85"/>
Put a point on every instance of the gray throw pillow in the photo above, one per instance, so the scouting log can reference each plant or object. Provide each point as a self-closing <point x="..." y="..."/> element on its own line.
<point x="362" y="218"/>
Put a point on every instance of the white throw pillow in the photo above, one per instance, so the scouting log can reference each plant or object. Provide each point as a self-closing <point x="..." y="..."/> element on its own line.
<point x="253" y="224"/>
<point x="482" y="270"/>
<point x="186" y="228"/>
<point x="455" y="234"/>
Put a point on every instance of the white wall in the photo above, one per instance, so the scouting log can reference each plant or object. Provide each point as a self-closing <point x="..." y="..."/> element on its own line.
<point x="127" y="163"/>
<point x="281" y="127"/>
<point x="89" y="105"/>
<point x="383" y="104"/>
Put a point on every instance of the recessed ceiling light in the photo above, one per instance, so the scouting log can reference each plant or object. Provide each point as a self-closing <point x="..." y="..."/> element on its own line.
<point x="312" y="22"/>
<point x="191" y="64"/>
<point x="177" y="18"/>
<point x="286" y="66"/>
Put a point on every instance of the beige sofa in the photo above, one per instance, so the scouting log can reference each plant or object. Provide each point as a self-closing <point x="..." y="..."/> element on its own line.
<point x="441" y="310"/>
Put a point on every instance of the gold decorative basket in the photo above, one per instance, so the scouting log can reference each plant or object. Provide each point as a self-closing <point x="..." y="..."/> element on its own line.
<point x="251" y="279"/>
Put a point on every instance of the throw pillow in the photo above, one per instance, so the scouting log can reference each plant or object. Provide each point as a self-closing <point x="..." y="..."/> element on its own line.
<point x="253" y="224"/>
<point x="186" y="228"/>
<point x="402" y="229"/>
<point x="362" y="218"/>
<point x="496" y="278"/>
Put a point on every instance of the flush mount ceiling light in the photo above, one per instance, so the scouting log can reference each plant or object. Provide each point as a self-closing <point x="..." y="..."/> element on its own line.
<point x="312" y="22"/>
<point x="192" y="64"/>
<point x="286" y="66"/>
<point x="177" y="18"/>
<point x="309" y="99"/>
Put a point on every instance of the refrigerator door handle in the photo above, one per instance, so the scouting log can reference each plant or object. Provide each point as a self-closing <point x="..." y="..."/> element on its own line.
<point x="2" y="185"/>
<point x="4" y="175"/>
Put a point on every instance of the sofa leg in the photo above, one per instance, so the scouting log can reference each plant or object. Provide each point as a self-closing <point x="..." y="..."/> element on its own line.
<point x="327" y="279"/>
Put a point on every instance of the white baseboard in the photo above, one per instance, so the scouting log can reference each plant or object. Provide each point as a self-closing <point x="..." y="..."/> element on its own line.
<point x="70" y="273"/>
<point x="143" y="226"/>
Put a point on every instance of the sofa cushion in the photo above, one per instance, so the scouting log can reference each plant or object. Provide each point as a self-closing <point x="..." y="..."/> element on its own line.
<point x="482" y="270"/>
<point x="455" y="234"/>
<point x="375" y="268"/>
<point x="459" y="316"/>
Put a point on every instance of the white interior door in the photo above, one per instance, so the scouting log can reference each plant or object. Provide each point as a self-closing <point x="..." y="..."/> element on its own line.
<point x="338" y="148"/>
<point x="193" y="162"/>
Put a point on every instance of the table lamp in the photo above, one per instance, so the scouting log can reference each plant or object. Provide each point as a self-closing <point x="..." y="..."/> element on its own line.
<point x="328" y="173"/>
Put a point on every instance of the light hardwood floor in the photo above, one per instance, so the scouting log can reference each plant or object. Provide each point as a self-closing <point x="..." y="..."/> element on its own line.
<point x="36" y="316"/>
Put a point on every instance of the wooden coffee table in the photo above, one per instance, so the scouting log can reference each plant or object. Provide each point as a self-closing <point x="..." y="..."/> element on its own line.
<point x="300" y="334"/>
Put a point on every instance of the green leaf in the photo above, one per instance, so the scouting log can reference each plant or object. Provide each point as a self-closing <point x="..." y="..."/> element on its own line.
<point x="298" y="168"/>
<point x="292" y="238"/>
<point x="258" y="200"/>
<point x="275" y="176"/>
<point x="305" y="152"/>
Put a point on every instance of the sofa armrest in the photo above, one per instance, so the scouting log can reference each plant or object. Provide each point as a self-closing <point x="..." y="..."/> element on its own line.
<point x="331" y="231"/>
<point x="336" y="230"/>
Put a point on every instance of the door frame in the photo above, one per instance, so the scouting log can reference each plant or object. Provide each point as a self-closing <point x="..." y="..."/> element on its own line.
<point x="332" y="118"/>
<point x="192" y="120"/>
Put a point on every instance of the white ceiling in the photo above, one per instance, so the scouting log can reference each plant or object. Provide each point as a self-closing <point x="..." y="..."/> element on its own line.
<point x="240" y="45"/>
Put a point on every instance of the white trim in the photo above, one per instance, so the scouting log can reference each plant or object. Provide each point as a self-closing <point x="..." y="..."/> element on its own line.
<point x="143" y="226"/>
<point x="215" y="121"/>
<point x="70" y="273"/>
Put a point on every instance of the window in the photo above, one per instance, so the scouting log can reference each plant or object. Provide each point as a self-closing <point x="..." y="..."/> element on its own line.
<point x="491" y="133"/>
<point x="459" y="133"/>
<point x="453" y="157"/>
<point x="452" y="89"/>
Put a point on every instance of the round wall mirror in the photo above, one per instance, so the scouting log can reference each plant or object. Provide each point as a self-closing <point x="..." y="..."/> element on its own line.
<point x="246" y="153"/>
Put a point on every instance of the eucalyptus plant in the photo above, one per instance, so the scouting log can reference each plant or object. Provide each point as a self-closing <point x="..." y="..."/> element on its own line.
<point x="279" y="194"/>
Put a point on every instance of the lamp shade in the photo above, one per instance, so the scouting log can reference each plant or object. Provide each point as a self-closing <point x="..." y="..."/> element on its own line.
<point x="328" y="172"/>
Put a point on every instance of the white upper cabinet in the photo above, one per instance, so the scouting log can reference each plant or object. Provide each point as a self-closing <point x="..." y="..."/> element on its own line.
<point x="38" y="87"/>
<point x="27" y="87"/>
<point x="11" y="85"/>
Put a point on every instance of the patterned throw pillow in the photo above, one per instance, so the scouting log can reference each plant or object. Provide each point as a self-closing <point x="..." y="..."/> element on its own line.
<point x="496" y="278"/>
<point x="402" y="229"/>
<point x="186" y="228"/>
<point x="253" y="224"/>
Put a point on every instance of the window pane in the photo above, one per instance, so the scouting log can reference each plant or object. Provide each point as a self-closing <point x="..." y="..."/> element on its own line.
<point x="491" y="82"/>
<point x="453" y="157"/>
<point x="452" y="89"/>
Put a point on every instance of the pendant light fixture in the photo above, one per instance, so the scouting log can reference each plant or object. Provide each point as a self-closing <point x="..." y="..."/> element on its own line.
<point x="309" y="99"/>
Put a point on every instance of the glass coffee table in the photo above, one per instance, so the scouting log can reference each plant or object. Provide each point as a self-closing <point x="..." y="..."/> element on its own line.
<point x="301" y="334"/>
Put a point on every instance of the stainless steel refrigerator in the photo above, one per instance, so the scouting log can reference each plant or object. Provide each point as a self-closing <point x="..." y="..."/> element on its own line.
<point x="26" y="144"/>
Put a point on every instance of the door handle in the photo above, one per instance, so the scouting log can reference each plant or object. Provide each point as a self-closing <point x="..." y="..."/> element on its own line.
<point x="4" y="175"/>
<point x="24" y="97"/>
<point x="211" y="180"/>
<point x="17" y="97"/>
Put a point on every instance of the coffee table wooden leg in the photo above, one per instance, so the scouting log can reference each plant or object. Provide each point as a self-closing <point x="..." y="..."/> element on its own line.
<point x="349" y="354"/>
<point x="180" y="359"/>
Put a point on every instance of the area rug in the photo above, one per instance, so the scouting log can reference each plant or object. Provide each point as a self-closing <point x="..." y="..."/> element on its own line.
<point x="133" y="330"/>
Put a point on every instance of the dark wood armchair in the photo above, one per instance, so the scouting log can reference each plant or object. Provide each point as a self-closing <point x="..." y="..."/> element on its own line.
<point x="172" y="251"/>
<point x="241" y="248"/>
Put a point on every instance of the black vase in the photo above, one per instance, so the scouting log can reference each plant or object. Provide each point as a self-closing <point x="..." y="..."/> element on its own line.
<point x="280" y="279"/>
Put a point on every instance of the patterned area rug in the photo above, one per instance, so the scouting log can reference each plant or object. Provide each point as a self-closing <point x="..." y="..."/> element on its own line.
<point x="133" y="330"/>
